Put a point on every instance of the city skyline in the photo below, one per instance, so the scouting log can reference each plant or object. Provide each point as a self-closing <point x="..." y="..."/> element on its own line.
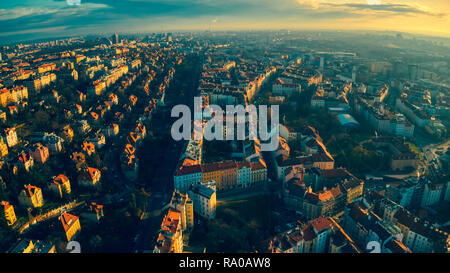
<point x="27" y="20"/>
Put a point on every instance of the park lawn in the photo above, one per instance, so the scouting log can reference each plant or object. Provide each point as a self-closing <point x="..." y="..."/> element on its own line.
<point x="251" y="209"/>
<point x="238" y="227"/>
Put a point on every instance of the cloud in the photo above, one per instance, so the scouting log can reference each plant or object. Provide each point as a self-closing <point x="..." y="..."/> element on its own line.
<point x="370" y="6"/>
<point x="374" y="2"/>
<point x="399" y="9"/>
<point x="56" y="7"/>
<point x="312" y="4"/>
<point x="8" y="14"/>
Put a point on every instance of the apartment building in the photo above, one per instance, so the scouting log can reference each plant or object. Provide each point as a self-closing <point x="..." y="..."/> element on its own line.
<point x="204" y="199"/>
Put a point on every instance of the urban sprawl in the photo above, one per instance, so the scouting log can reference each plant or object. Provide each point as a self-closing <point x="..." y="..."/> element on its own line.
<point x="362" y="158"/>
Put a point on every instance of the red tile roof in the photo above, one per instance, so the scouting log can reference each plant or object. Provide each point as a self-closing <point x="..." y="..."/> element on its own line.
<point x="31" y="190"/>
<point x="67" y="220"/>
<point x="60" y="179"/>
<point x="320" y="223"/>
<point x="257" y="166"/>
<point x="171" y="220"/>
<point x="5" y="205"/>
<point x="335" y="173"/>
<point x="188" y="169"/>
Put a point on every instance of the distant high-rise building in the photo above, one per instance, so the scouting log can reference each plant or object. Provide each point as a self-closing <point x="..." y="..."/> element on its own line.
<point x="354" y="74"/>
<point x="413" y="70"/>
<point x="115" y="38"/>
<point x="322" y="63"/>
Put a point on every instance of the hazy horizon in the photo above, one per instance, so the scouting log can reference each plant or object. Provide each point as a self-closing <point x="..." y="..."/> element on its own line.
<point x="41" y="19"/>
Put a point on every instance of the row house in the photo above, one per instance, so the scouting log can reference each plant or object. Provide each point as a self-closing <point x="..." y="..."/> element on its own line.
<point x="365" y="226"/>
<point x="258" y="172"/>
<point x="13" y="95"/>
<point x="211" y="172"/>
<point x="382" y="119"/>
<point x="97" y="88"/>
<point x="420" y="236"/>
<point x="282" y="88"/>
<point x="228" y="175"/>
<point x="46" y="67"/>
<point x="304" y="238"/>
<point x="186" y="176"/>
<point x="432" y="193"/>
<point x="38" y="83"/>
<point x="244" y="178"/>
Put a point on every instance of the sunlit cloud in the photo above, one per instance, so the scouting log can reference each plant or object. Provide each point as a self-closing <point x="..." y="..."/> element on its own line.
<point x="369" y="6"/>
<point x="312" y="4"/>
<point x="374" y="2"/>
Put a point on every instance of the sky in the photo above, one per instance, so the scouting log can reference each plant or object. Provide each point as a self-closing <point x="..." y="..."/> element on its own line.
<point x="33" y="19"/>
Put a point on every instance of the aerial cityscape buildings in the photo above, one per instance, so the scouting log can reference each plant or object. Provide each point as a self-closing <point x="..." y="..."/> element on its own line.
<point x="87" y="152"/>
